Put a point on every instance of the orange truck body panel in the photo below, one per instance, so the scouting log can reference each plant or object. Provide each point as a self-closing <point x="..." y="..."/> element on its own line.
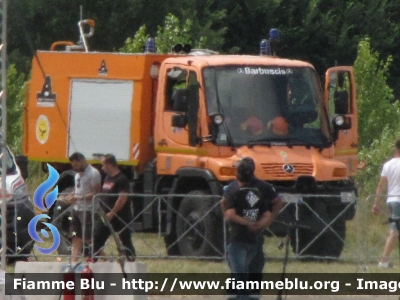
<point x="47" y="125"/>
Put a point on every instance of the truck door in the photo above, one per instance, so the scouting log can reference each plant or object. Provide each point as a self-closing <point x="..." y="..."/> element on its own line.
<point x="340" y="99"/>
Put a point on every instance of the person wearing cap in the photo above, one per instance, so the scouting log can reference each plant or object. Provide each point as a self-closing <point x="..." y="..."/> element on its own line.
<point x="250" y="206"/>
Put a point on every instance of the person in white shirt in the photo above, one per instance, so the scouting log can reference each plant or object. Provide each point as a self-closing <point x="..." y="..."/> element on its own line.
<point x="390" y="181"/>
<point x="87" y="184"/>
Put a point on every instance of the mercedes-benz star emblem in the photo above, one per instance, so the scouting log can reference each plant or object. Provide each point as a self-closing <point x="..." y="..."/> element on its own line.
<point x="288" y="168"/>
<point x="240" y="70"/>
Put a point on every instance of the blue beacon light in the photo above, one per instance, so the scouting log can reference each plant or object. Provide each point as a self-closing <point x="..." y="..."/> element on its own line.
<point x="274" y="34"/>
<point x="150" y="46"/>
<point x="268" y="47"/>
<point x="274" y="38"/>
<point x="265" y="47"/>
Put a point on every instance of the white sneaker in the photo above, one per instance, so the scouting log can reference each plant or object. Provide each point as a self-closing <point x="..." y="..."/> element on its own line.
<point x="385" y="265"/>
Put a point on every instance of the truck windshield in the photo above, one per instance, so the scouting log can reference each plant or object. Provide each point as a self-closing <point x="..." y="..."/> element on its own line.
<point x="267" y="105"/>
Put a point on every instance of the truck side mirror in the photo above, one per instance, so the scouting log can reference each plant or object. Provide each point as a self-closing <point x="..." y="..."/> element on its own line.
<point x="22" y="163"/>
<point x="179" y="120"/>
<point x="192" y="112"/>
<point x="341" y="99"/>
<point x="180" y="100"/>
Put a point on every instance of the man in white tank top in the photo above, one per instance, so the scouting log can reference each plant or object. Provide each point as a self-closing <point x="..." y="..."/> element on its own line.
<point x="390" y="181"/>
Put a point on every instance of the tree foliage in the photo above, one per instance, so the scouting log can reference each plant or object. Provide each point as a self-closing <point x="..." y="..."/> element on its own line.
<point x="379" y="151"/>
<point x="379" y="118"/>
<point x="136" y="44"/>
<point x="15" y="107"/>
<point x="375" y="97"/>
<point x="172" y="33"/>
<point x="322" y="32"/>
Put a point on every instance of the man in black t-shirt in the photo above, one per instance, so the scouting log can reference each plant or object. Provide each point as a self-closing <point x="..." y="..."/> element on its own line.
<point x="249" y="205"/>
<point x="116" y="206"/>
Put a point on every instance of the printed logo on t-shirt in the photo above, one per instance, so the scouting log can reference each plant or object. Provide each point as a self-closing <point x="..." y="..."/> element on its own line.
<point x="252" y="198"/>
<point x="107" y="186"/>
<point x="251" y="214"/>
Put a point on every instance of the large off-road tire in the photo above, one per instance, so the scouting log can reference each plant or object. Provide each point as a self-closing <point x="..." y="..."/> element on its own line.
<point x="18" y="238"/>
<point x="65" y="186"/>
<point x="206" y="238"/>
<point x="172" y="245"/>
<point x="329" y="245"/>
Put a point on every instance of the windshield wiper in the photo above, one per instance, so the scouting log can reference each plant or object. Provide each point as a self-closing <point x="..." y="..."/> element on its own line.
<point x="309" y="143"/>
<point x="284" y="141"/>
<point x="269" y="141"/>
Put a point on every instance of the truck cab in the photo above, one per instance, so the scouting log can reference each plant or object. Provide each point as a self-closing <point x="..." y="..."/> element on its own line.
<point x="214" y="110"/>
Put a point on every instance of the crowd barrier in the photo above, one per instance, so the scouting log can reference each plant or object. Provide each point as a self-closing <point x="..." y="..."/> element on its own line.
<point x="363" y="239"/>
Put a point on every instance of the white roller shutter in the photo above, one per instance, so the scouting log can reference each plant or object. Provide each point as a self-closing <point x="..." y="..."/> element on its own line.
<point x="100" y="117"/>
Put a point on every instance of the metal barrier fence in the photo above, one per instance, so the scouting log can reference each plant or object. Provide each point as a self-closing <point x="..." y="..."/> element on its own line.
<point x="360" y="240"/>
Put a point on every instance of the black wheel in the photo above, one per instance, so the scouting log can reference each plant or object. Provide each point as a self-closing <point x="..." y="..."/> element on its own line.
<point x="60" y="217"/>
<point x="18" y="238"/>
<point x="171" y="244"/>
<point x="329" y="244"/>
<point x="206" y="237"/>
<point x="23" y="246"/>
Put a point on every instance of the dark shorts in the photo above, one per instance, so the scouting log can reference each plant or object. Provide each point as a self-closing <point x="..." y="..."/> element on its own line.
<point x="394" y="210"/>
<point x="81" y="220"/>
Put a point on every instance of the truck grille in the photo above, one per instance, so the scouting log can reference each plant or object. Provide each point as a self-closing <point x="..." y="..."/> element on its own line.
<point x="276" y="170"/>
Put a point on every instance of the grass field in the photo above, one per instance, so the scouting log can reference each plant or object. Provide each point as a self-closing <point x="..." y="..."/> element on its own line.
<point x="151" y="251"/>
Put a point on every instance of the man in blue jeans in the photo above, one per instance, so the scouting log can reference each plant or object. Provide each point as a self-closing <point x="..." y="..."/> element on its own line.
<point x="250" y="205"/>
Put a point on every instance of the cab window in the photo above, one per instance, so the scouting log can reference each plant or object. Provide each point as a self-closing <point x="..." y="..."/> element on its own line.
<point x="179" y="82"/>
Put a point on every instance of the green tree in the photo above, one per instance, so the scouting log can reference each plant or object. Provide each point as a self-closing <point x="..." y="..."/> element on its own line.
<point x="208" y="21"/>
<point x="375" y="97"/>
<point x="48" y="21"/>
<point x="320" y="31"/>
<point x="169" y="35"/>
<point x="137" y="43"/>
<point x="378" y="116"/>
<point x="15" y="108"/>
<point x="172" y="33"/>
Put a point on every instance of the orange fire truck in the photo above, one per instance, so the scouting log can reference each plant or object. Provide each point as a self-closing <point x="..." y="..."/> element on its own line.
<point x="178" y="123"/>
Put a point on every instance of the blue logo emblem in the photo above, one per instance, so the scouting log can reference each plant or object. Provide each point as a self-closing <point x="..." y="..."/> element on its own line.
<point x="51" y="197"/>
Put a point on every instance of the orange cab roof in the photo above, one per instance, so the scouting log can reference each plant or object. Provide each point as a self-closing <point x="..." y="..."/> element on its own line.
<point x="218" y="60"/>
<point x="211" y="60"/>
